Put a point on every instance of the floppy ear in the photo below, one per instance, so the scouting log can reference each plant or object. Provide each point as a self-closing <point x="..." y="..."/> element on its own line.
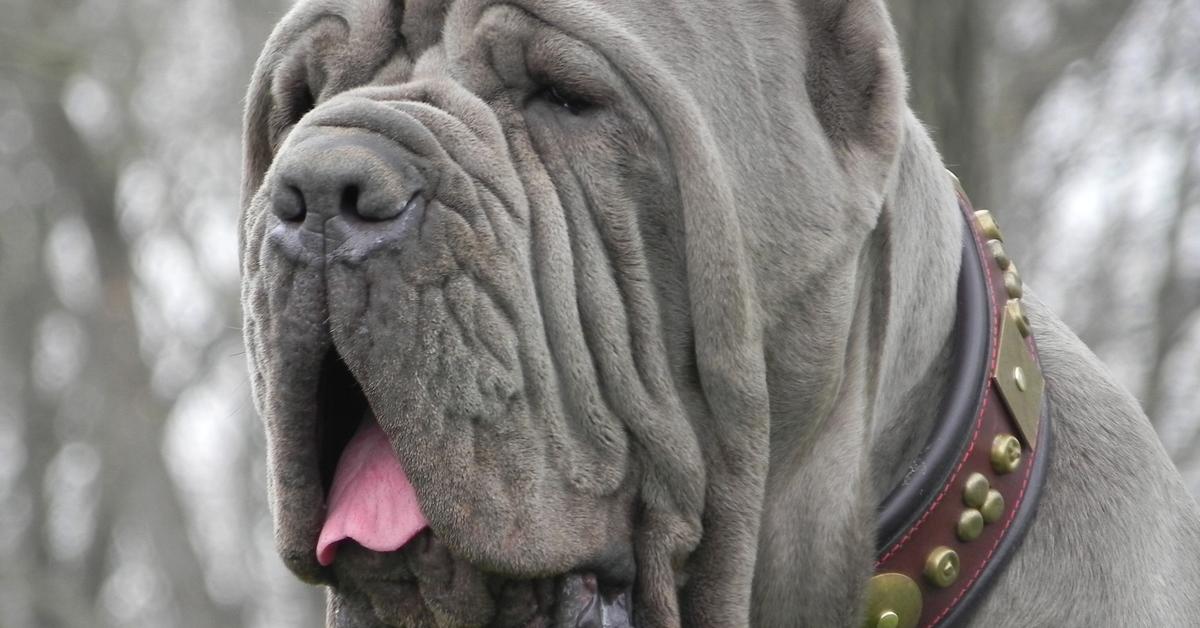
<point x="315" y="51"/>
<point x="256" y="154"/>
<point x="855" y="80"/>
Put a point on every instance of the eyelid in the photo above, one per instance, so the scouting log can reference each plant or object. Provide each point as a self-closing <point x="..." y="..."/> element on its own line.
<point x="571" y="66"/>
<point x="587" y="89"/>
<point x="560" y="97"/>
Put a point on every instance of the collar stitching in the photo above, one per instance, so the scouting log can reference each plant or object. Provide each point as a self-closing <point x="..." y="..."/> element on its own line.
<point x="987" y="381"/>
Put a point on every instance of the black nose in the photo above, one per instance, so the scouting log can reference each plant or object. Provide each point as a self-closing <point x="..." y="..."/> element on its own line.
<point x="344" y="183"/>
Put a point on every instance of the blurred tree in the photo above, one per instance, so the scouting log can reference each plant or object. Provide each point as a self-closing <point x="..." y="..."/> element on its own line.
<point x="100" y="530"/>
<point x="1050" y="112"/>
<point x="978" y="69"/>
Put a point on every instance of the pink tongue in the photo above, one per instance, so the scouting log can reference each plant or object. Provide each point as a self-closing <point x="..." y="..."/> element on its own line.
<point x="371" y="501"/>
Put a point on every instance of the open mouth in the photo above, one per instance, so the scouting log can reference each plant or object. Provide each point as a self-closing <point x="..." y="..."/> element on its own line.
<point x="342" y="407"/>
<point x="378" y="545"/>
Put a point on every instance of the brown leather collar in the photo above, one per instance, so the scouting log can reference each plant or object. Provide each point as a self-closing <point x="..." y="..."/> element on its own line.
<point x="948" y="529"/>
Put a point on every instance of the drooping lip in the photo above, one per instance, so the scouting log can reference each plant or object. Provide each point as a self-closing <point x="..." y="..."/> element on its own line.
<point x="583" y="602"/>
<point x="398" y="594"/>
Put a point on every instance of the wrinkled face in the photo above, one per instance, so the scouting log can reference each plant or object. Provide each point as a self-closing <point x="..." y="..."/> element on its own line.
<point x="461" y="240"/>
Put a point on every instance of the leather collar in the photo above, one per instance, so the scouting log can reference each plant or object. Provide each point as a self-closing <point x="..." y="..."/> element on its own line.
<point x="947" y="530"/>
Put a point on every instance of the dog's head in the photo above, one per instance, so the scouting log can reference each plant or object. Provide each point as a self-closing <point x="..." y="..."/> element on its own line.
<point x="510" y="271"/>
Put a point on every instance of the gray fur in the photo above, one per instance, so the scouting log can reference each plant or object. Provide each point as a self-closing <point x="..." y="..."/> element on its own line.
<point x="693" y="333"/>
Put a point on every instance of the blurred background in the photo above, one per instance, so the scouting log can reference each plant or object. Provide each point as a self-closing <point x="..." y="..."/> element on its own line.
<point x="131" y="462"/>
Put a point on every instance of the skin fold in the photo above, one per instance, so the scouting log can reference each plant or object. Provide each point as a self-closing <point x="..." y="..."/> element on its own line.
<point x="670" y="312"/>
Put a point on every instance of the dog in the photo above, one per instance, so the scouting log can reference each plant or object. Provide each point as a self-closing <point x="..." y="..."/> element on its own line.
<point x="581" y="313"/>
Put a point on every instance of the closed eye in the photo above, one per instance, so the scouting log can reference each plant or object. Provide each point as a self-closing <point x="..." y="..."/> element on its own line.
<point x="560" y="98"/>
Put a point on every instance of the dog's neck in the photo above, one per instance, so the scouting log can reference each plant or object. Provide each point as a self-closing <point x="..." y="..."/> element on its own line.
<point x="823" y="488"/>
<point x="919" y="244"/>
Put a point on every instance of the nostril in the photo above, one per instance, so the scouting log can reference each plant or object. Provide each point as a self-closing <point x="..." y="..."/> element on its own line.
<point x="349" y="201"/>
<point x="287" y="201"/>
<point x="374" y="207"/>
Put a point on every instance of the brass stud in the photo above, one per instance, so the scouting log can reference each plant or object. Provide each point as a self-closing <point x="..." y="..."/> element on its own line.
<point x="893" y="601"/>
<point x="996" y="248"/>
<point x="975" y="490"/>
<point x="1006" y="453"/>
<point x="970" y="525"/>
<point x="1024" y="404"/>
<point x="993" y="507"/>
<point x="1019" y="378"/>
<point x="1016" y="312"/>
<point x="1012" y="282"/>
<point x="941" y="566"/>
<point x="987" y="225"/>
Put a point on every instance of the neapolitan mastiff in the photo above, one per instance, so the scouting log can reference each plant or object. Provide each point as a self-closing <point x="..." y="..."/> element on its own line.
<point x="664" y="312"/>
